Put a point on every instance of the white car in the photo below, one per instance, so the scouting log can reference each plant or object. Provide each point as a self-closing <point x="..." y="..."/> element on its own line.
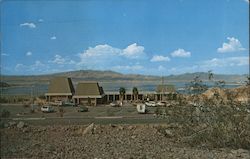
<point x="161" y="104"/>
<point x="151" y="104"/>
<point x="47" y="109"/>
<point x="114" y="104"/>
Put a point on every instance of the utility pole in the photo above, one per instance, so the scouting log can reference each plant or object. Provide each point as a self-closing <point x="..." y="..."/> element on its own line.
<point x="163" y="87"/>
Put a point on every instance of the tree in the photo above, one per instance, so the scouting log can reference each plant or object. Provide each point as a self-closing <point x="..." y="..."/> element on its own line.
<point x="122" y="92"/>
<point x="247" y="81"/>
<point x="196" y="86"/>
<point x="210" y="75"/>
<point x="220" y="83"/>
<point x="135" y="93"/>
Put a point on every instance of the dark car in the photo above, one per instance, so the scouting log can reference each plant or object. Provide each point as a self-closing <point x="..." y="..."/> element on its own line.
<point x="83" y="109"/>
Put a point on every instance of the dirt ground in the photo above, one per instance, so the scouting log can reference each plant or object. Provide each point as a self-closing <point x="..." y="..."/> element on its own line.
<point x="105" y="141"/>
<point x="197" y="130"/>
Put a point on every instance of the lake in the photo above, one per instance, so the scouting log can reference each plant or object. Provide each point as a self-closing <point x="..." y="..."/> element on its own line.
<point x="40" y="89"/>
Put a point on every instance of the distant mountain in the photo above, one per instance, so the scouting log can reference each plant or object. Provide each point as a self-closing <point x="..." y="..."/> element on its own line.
<point x="102" y="76"/>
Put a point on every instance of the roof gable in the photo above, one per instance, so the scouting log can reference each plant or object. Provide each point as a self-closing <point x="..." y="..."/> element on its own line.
<point x="61" y="85"/>
<point x="88" y="89"/>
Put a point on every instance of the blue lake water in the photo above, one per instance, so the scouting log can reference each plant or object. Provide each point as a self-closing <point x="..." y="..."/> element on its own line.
<point x="40" y="89"/>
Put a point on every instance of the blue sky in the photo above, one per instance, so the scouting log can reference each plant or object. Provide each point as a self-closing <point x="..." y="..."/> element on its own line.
<point x="152" y="37"/>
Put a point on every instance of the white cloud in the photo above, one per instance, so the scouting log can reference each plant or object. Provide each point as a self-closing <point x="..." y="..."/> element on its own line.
<point x="134" y="51"/>
<point x="159" y="58"/>
<point x="181" y="53"/>
<point x="53" y="38"/>
<point x="40" y="20"/>
<point x="38" y="67"/>
<point x="105" y="56"/>
<point x="30" y="25"/>
<point x="58" y="59"/>
<point x="4" y="54"/>
<point x="28" y="53"/>
<point x="100" y="50"/>
<point x="161" y="68"/>
<point x="128" y="67"/>
<point x="226" y="62"/>
<point x="246" y="1"/>
<point x="232" y="46"/>
<point x="19" y="66"/>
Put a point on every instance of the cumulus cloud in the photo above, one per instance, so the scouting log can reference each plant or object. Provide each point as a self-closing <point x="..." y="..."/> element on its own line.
<point x="38" y="66"/>
<point x="53" y="38"/>
<point x="30" y="25"/>
<point x="226" y="62"/>
<point x="28" y="53"/>
<point x="233" y="45"/>
<point x="106" y="57"/>
<point x="159" y="58"/>
<point x="181" y="53"/>
<point x="58" y="59"/>
<point x="133" y="51"/>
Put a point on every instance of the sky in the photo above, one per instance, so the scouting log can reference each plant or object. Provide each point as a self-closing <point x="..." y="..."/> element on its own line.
<point x="150" y="37"/>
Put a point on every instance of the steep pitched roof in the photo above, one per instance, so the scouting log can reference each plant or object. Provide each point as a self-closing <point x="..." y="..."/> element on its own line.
<point x="61" y="85"/>
<point x="165" y="88"/>
<point x="88" y="89"/>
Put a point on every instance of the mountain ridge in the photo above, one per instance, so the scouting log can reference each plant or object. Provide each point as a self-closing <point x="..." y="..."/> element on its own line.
<point x="107" y="75"/>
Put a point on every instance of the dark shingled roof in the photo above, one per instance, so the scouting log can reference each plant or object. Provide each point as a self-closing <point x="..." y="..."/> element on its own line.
<point x="61" y="85"/>
<point x="165" y="88"/>
<point x="88" y="89"/>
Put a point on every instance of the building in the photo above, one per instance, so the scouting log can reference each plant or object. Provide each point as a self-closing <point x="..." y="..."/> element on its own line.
<point x="60" y="88"/>
<point x="89" y="93"/>
<point x="165" y="92"/>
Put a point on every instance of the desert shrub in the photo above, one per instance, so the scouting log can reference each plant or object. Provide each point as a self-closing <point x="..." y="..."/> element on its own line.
<point x="3" y="100"/>
<point x="61" y="111"/>
<point x="222" y="126"/>
<point x="157" y="111"/>
<point x="5" y="113"/>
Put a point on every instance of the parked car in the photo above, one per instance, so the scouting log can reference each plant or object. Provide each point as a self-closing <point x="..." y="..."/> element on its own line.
<point x="47" y="109"/>
<point x="69" y="104"/>
<point x="162" y="104"/>
<point x="150" y="104"/>
<point x="114" y="104"/>
<point x="83" y="109"/>
<point x="141" y="108"/>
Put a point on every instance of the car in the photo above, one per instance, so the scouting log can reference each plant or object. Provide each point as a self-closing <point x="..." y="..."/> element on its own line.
<point x="150" y="104"/>
<point x="162" y="104"/>
<point x="115" y="104"/>
<point x="83" y="109"/>
<point x="69" y="104"/>
<point x="47" y="109"/>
